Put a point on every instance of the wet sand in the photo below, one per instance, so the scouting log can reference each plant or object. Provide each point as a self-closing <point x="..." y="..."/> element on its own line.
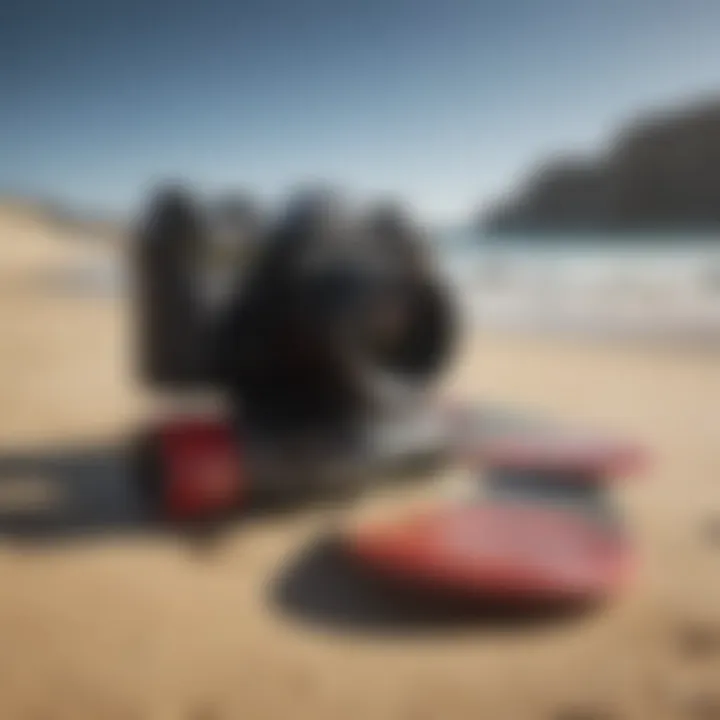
<point x="129" y="624"/>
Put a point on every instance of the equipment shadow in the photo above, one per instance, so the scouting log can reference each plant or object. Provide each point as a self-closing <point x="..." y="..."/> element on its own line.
<point x="62" y="491"/>
<point x="85" y="493"/>
<point x="88" y="492"/>
<point x="69" y="492"/>
<point x="80" y="492"/>
<point x="321" y="587"/>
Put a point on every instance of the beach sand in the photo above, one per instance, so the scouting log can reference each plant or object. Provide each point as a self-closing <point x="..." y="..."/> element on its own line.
<point x="125" y="624"/>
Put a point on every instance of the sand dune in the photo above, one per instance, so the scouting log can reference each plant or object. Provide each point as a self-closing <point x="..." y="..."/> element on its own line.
<point x="126" y="625"/>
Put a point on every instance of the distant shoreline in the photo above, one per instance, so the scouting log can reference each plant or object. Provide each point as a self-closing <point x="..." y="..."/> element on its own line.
<point x="659" y="237"/>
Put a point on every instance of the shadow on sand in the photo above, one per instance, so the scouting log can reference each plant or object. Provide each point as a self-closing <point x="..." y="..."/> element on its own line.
<point x="59" y="492"/>
<point x="68" y="492"/>
<point x="87" y="493"/>
<point x="82" y="493"/>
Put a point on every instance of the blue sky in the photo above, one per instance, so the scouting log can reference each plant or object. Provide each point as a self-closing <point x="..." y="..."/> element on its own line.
<point x="442" y="102"/>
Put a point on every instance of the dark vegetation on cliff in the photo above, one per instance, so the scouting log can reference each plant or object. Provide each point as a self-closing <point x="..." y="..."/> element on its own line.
<point x="659" y="174"/>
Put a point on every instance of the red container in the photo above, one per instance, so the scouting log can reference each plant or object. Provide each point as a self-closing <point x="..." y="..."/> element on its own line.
<point x="202" y="468"/>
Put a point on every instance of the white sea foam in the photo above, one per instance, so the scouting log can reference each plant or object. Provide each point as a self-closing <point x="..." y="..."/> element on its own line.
<point x="663" y="289"/>
<point x="669" y="289"/>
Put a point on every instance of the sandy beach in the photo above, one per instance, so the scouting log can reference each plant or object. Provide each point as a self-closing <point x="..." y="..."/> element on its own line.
<point x="127" y="624"/>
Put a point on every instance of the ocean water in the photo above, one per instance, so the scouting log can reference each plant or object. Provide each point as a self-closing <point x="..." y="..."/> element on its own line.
<point x="665" y="286"/>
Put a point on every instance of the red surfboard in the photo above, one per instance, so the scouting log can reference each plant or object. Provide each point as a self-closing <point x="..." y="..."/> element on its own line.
<point x="507" y="441"/>
<point x="506" y="551"/>
<point x="547" y="530"/>
<point x="581" y="456"/>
